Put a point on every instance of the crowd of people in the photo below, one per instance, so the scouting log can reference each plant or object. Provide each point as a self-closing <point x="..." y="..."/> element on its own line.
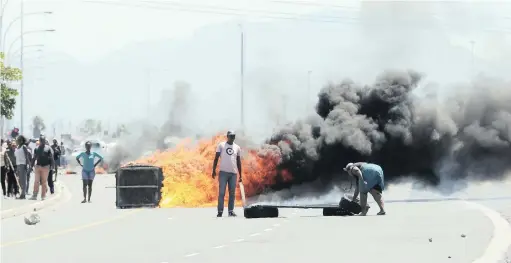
<point x="19" y="161"/>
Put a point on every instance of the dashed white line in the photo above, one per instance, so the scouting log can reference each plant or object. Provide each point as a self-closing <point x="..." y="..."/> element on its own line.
<point x="169" y="218"/>
<point x="267" y="229"/>
<point x="255" y="234"/>
<point x="239" y="240"/>
<point x="191" y="255"/>
<point x="221" y="246"/>
<point x="276" y="225"/>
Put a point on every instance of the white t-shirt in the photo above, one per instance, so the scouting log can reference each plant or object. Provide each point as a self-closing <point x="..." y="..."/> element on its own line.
<point x="2" y="154"/>
<point x="228" y="156"/>
<point x="20" y="156"/>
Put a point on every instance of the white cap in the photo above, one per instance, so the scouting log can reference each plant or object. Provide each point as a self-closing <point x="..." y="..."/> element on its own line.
<point x="348" y="166"/>
<point x="231" y="132"/>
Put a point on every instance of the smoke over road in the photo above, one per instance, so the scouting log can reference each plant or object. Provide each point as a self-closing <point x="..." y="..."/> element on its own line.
<point x="439" y="135"/>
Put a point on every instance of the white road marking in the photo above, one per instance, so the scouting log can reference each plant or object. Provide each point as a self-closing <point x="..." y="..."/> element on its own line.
<point x="276" y="225"/>
<point x="191" y="255"/>
<point x="169" y="218"/>
<point x="501" y="235"/>
<point x="221" y="246"/>
<point x="239" y="240"/>
<point x="267" y="229"/>
<point x="255" y="234"/>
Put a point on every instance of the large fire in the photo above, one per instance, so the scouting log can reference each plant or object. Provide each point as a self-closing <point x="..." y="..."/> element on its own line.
<point x="187" y="173"/>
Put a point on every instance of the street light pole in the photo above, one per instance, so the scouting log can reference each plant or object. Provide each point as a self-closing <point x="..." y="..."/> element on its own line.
<point x="8" y="51"/>
<point x="242" y="79"/>
<point x="308" y="90"/>
<point x="18" y="51"/>
<point x="472" y="66"/>
<point x="21" y="67"/>
<point x="19" y="18"/>
<point x="2" y="9"/>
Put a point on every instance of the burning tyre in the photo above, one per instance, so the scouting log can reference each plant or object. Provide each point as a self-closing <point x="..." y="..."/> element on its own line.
<point x="260" y="212"/>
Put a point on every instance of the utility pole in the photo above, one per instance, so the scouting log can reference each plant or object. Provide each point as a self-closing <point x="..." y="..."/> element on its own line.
<point x="308" y="90"/>
<point x="2" y="7"/>
<point x="284" y="108"/>
<point x="22" y="69"/>
<point x="472" y="66"/>
<point x="242" y="79"/>
<point x="148" y="83"/>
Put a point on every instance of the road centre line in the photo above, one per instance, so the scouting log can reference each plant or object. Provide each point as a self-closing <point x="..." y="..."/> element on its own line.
<point x="71" y="229"/>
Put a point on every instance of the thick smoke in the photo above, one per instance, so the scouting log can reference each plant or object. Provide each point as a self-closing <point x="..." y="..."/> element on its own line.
<point x="409" y="129"/>
<point x="146" y="137"/>
<point x="177" y="114"/>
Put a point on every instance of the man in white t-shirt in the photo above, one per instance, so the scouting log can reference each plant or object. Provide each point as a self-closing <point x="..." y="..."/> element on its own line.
<point x="230" y="165"/>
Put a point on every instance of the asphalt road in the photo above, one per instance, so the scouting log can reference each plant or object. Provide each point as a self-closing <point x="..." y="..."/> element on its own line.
<point x="98" y="232"/>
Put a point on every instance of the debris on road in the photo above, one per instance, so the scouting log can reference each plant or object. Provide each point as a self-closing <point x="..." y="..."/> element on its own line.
<point x="463" y="235"/>
<point x="32" y="219"/>
<point x="430" y="240"/>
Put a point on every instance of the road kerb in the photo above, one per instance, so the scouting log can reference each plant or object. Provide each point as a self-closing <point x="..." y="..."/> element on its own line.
<point x="39" y="205"/>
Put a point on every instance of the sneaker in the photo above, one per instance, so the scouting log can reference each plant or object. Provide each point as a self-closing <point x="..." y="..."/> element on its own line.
<point x="381" y="213"/>
<point x="232" y="214"/>
<point x="34" y="197"/>
<point x="219" y="214"/>
<point x="83" y="202"/>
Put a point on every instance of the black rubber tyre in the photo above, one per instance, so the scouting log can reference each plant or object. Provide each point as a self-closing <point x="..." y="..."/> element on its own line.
<point x="329" y="211"/>
<point x="350" y="206"/>
<point x="260" y="212"/>
<point x="335" y="211"/>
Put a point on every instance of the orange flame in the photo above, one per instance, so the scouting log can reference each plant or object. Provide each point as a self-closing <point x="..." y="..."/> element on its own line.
<point x="99" y="170"/>
<point x="187" y="173"/>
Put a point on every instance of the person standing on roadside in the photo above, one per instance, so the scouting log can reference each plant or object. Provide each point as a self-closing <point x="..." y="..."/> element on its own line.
<point x="62" y="155"/>
<point x="88" y="169"/>
<point x="10" y="161"/>
<point x="3" y="168"/>
<point x="29" y="167"/>
<point x="22" y="164"/>
<point x="230" y="165"/>
<point x="56" y="156"/>
<point x="42" y="161"/>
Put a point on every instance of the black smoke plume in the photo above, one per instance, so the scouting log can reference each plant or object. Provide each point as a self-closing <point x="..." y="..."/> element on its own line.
<point x="409" y="129"/>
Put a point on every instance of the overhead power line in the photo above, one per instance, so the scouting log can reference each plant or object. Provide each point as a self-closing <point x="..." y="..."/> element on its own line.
<point x="238" y="12"/>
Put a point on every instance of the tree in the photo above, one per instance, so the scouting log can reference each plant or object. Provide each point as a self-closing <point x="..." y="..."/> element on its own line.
<point x="38" y="126"/>
<point x="8" y="95"/>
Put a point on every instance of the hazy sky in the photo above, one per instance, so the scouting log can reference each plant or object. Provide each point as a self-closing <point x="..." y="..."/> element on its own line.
<point x="88" y="30"/>
<point x="102" y="49"/>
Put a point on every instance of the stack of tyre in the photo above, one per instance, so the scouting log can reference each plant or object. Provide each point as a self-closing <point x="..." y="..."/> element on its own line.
<point x="346" y="208"/>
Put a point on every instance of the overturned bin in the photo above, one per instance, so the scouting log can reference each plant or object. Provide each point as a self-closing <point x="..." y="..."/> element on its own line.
<point x="138" y="186"/>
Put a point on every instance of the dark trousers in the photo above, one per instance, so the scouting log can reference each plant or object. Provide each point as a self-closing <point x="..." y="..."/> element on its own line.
<point x="12" y="184"/>
<point x="28" y="180"/>
<point x="50" y="182"/>
<point x="226" y="180"/>
<point x="4" y="176"/>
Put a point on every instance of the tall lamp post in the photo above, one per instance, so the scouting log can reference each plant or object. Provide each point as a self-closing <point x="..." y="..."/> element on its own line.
<point x="242" y="79"/>
<point x="308" y="90"/>
<point x="4" y="36"/>
<point x="21" y="65"/>
<point x="17" y="52"/>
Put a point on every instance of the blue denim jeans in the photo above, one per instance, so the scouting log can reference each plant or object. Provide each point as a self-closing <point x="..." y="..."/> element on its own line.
<point x="226" y="179"/>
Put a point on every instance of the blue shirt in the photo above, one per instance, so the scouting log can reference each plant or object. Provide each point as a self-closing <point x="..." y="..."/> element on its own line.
<point x="88" y="160"/>
<point x="373" y="175"/>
